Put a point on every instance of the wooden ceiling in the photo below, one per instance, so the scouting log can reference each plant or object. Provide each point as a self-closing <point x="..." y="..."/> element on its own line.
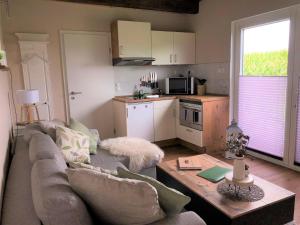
<point x="178" y="6"/>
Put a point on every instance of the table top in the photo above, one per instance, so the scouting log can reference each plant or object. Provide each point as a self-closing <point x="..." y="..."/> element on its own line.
<point x="208" y="190"/>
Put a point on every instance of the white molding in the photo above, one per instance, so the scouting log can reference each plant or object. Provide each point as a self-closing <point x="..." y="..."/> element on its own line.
<point x="32" y="37"/>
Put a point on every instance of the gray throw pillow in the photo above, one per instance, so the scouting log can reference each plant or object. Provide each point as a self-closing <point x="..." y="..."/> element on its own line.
<point x="116" y="200"/>
<point x="54" y="200"/>
<point x="171" y="200"/>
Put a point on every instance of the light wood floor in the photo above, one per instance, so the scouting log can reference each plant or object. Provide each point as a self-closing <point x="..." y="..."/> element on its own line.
<point x="281" y="176"/>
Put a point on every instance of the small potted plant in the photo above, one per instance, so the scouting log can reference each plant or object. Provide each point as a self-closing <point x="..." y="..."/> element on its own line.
<point x="238" y="145"/>
<point x="2" y="59"/>
<point x="201" y="87"/>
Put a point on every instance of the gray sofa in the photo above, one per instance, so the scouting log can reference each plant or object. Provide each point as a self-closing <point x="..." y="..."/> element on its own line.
<point x="37" y="187"/>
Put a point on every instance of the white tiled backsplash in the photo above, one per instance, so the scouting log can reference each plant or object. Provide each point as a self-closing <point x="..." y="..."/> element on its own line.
<point x="126" y="77"/>
<point x="216" y="74"/>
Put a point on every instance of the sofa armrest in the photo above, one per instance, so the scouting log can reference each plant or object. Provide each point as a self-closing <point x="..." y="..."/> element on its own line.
<point x="186" y="218"/>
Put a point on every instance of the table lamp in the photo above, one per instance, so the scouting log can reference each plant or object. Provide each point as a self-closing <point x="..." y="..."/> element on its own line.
<point x="28" y="99"/>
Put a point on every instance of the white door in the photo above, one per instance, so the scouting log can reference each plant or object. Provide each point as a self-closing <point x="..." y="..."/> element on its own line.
<point x="184" y="48"/>
<point x="162" y="47"/>
<point x="262" y="83"/>
<point x="140" y="121"/>
<point x="164" y="120"/>
<point x="89" y="79"/>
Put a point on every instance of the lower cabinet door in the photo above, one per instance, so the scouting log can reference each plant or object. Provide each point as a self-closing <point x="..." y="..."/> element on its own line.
<point x="164" y="120"/>
<point x="140" y="121"/>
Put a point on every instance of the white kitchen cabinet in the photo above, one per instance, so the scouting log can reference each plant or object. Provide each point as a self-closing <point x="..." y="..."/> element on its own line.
<point x="164" y="120"/>
<point x="131" y="39"/>
<point x="184" y="48"/>
<point x="173" y="48"/>
<point x="162" y="47"/>
<point x="134" y="120"/>
<point x="140" y="121"/>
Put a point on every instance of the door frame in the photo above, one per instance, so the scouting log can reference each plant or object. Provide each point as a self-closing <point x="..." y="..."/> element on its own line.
<point x="235" y="70"/>
<point x="64" y="65"/>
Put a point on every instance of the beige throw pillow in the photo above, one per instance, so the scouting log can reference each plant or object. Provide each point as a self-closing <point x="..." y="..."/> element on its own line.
<point x="74" y="145"/>
<point x="116" y="200"/>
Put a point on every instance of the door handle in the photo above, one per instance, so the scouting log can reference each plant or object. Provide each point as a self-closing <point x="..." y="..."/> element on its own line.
<point x="75" y="93"/>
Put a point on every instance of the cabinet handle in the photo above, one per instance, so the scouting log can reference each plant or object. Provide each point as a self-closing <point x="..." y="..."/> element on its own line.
<point x="175" y="58"/>
<point x="127" y="112"/>
<point x="171" y="58"/>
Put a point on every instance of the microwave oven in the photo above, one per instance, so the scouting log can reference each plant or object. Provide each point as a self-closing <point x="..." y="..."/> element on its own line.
<point x="179" y="86"/>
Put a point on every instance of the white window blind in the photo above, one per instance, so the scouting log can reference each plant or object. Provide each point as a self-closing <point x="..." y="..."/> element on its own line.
<point x="261" y="112"/>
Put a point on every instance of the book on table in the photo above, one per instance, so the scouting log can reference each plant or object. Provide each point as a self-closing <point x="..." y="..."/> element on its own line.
<point x="214" y="174"/>
<point x="189" y="163"/>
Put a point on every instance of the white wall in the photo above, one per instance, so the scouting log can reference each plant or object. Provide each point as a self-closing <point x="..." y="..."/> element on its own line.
<point x="38" y="16"/>
<point x="213" y="28"/>
<point x="5" y="123"/>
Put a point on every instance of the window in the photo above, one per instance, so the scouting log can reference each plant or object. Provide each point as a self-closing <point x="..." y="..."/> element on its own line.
<point x="263" y="86"/>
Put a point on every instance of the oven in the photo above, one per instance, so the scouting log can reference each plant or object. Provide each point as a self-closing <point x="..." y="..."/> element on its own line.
<point x="179" y="85"/>
<point x="191" y="114"/>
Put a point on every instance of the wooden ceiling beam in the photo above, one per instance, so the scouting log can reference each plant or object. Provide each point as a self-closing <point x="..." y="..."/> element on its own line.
<point x="178" y="6"/>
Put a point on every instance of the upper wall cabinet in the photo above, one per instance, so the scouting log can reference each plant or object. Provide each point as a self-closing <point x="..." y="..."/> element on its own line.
<point x="173" y="48"/>
<point x="131" y="39"/>
<point x="184" y="48"/>
<point x="162" y="47"/>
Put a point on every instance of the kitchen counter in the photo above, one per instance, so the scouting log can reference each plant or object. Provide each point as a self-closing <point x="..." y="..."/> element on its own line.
<point x="206" y="98"/>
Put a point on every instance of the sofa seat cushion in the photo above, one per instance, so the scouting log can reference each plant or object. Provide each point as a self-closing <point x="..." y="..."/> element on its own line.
<point x="103" y="158"/>
<point x="186" y="218"/>
<point x="171" y="200"/>
<point x="17" y="201"/>
<point x="117" y="201"/>
<point x="54" y="200"/>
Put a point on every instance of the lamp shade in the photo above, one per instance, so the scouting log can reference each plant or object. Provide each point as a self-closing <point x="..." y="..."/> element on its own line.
<point x="27" y="96"/>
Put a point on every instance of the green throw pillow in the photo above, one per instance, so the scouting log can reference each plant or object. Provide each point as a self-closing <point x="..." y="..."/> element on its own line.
<point x="76" y="125"/>
<point x="171" y="200"/>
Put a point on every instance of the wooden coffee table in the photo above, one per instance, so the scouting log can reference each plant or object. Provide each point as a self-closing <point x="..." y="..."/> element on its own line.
<point x="276" y="208"/>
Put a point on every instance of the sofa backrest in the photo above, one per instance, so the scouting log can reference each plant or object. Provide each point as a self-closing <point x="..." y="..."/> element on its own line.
<point x="38" y="185"/>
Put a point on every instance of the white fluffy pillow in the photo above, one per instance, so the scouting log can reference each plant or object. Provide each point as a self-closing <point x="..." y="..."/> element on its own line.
<point x="117" y="200"/>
